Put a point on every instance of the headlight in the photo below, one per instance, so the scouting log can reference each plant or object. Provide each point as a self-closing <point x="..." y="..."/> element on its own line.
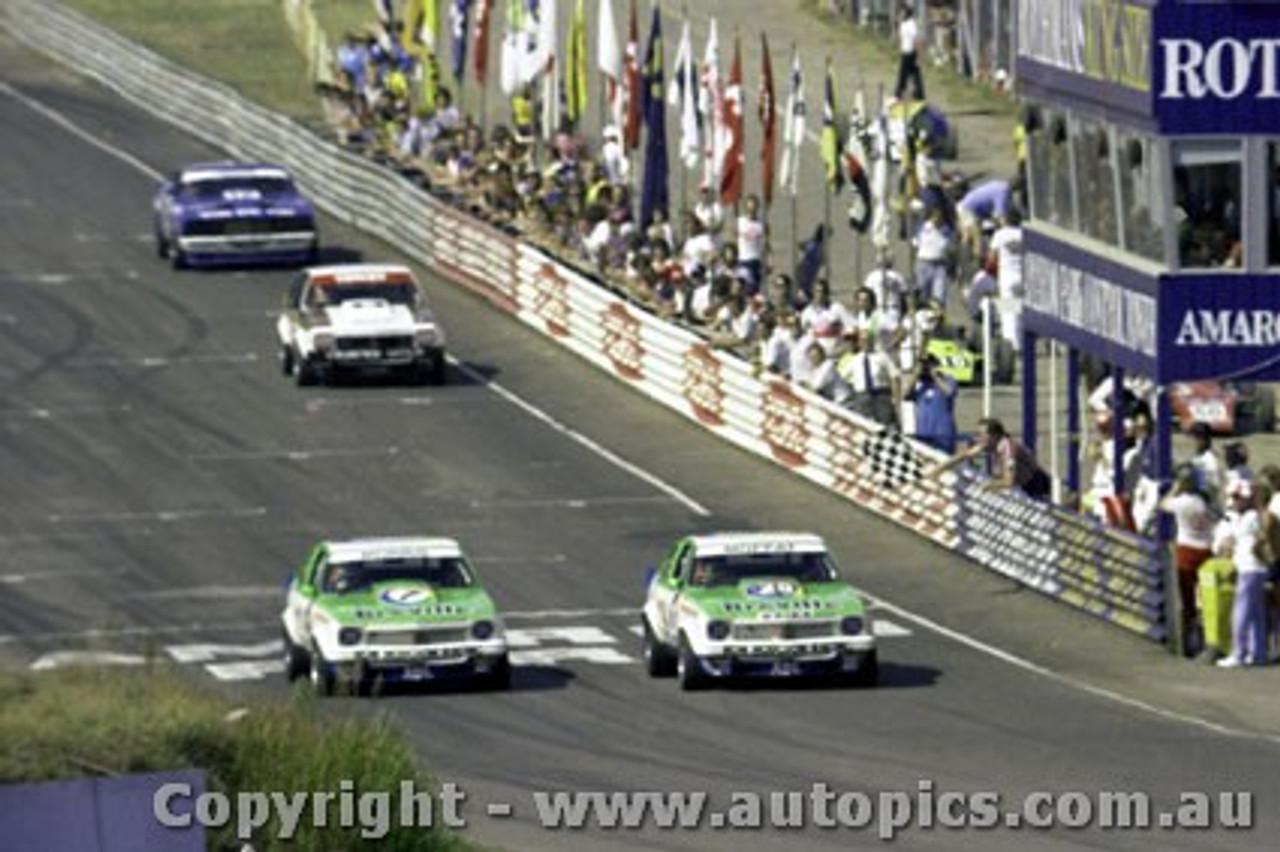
<point x="718" y="631"/>
<point x="482" y="630"/>
<point x="852" y="625"/>
<point x="427" y="336"/>
<point x="350" y="636"/>
<point x="322" y="342"/>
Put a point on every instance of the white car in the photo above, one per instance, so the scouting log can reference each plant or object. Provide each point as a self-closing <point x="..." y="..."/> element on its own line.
<point x="375" y="610"/>
<point x="355" y="318"/>
<point x="755" y="604"/>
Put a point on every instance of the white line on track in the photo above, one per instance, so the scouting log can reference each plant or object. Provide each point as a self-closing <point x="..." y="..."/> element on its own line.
<point x="291" y="455"/>
<point x="165" y="515"/>
<point x="59" y="574"/>
<point x="576" y="436"/>
<point x="1066" y="680"/>
<point x="80" y="133"/>
<point x="566" y="502"/>
<point x="153" y="361"/>
<point x="977" y="645"/>
<point x="42" y="413"/>
<point x="139" y="630"/>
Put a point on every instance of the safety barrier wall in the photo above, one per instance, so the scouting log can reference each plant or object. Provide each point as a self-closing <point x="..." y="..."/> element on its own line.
<point x="1112" y="575"/>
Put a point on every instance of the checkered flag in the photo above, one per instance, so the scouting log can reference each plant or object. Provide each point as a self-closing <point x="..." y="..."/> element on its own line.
<point x="892" y="459"/>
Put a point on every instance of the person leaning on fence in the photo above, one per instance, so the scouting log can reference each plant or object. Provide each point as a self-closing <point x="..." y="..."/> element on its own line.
<point x="1012" y="464"/>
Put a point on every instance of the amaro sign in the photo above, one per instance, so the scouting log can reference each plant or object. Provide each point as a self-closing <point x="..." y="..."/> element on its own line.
<point x="1216" y="326"/>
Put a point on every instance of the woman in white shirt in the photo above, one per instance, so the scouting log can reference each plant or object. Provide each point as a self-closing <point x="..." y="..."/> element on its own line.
<point x="1248" y="552"/>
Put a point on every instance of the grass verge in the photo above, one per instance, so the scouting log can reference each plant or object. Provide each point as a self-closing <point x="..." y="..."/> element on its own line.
<point x="244" y="43"/>
<point x="71" y="722"/>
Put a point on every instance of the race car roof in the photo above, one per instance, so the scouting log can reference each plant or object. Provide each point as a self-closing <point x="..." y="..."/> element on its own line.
<point x="351" y="273"/>
<point x="222" y="171"/>
<point x="377" y="549"/>
<point x="731" y="543"/>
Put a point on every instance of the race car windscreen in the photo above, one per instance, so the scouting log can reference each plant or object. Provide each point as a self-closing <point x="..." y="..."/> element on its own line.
<point x="394" y="294"/>
<point x="730" y="570"/>
<point x="245" y="187"/>
<point x="439" y="572"/>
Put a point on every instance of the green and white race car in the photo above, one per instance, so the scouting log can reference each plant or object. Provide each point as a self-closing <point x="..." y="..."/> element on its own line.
<point x="755" y="604"/>
<point x="391" y="609"/>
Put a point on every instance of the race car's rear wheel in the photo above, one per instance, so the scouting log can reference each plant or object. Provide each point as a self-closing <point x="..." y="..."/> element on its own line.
<point x="323" y="678"/>
<point x="305" y="373"/>
<point x="689" y="671"/>
<point x="296" y="660"/>
<point x="162" y="246"/>
<point x="287" y="363"/>
<point x="658" y="659"/>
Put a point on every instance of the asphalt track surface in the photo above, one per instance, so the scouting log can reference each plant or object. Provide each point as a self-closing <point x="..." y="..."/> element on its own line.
<point x="161" y="478"/>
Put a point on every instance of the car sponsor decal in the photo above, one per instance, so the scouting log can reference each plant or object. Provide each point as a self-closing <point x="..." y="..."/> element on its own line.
<point x="406" y="596"/>
<point x="775" y="589"/>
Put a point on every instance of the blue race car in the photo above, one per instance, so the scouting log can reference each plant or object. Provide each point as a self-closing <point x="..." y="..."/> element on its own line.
<point x="234" y="213"/>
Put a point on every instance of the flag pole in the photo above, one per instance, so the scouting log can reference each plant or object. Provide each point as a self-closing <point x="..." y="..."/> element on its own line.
<point x="826" y="180"/>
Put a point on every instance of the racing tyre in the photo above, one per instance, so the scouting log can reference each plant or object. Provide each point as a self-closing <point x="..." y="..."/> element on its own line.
<point x="658" y="659"/>
<point x="437" y="371"/>
<point x="322" y="676"/>
<point x="287" y="365"/>
<point x="177" y="258"/>
<point x="868" y="675"/>
<point x="689" y="669"/>
<point x="500" y="678"/>
<point x="305" y="373"/>
<point x="162" y="246"/>
<point x="297" y="662"/>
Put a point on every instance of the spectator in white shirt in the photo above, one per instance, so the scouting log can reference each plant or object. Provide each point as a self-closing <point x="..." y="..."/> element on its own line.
<point x="909" y="54"/>
<point x="751" y="244"/>
<point x="617" y="168"/>
<point x="778" y="334"/>
<point x="824" y="319"/>
<point x="886" y="284"/>
<point x="708" y="210"/>
<point x="1006" y="246"/>
<point x="873" y="379"/>
<point x="878" y="326"/>
<point x="1247" y="547"/>
<point x="1193" y="543"/>
<point x="935" y="241"/>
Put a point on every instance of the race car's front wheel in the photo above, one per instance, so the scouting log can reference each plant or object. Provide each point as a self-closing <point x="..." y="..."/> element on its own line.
<point x="689" y="671"/>
<point x="323" y="678"/>
<point x="658" y="659"/>
<point x="499" y="676"/>
<point x="868" y="673"/>
<point x="296" y="662"/>
<point x="287" y="364"/>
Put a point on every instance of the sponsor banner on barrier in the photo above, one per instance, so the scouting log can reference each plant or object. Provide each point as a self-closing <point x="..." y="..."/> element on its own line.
<point x="703" y="385"/>
<point x="1116" y="578"/>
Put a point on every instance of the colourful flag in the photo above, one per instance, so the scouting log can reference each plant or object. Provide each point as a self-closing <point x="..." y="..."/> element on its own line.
<point x="480" y="56"/>
<point x="609" y="60"/>
<point x="421" y="36"/>
<point x="383" y="8"/>
<point x="731" y="122"/>
<point x="709" y="108"/>
<point x="548" y="65"/>
<point x="654" y="194"/>
<point x="458" y="12"/>
<point x="575" y="82"/>
<point x="631" y="132"/>
<point x="831" y="144"/>
<point x="793" y="127"/>
<point x="683" y="96"/>
<point x="768" y="121"/>
<point x="515" y="47"/>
